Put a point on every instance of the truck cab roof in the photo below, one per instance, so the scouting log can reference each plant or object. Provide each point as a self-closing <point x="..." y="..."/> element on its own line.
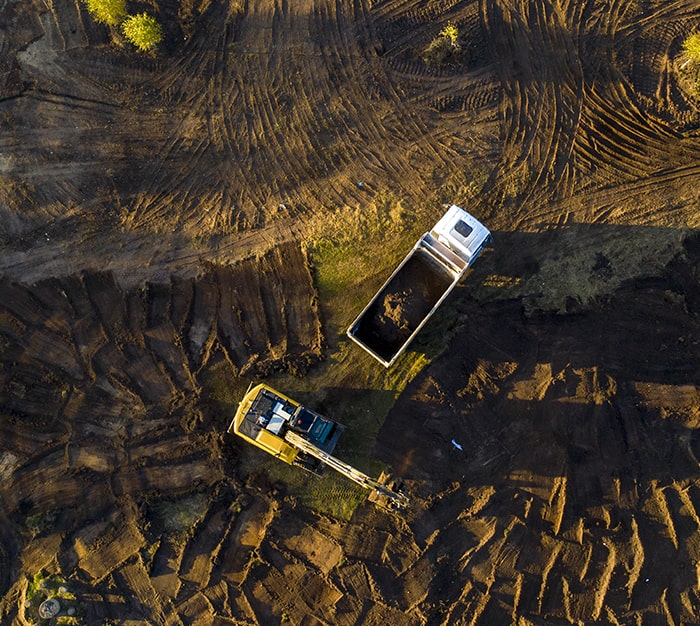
<point x="462" y="233"/>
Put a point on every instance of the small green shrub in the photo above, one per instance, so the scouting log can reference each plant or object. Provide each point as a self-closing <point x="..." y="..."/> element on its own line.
<point x="691" y="46"/>
<point x="143" y="31"/>
<point x="451" y="33"/>
<point x="690" y="69"/>
<point x="444" y="48"/>
<point x="110" y="12"/>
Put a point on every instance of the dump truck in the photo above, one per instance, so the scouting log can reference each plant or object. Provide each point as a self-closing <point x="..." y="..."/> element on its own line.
<point x="300" y="436"/>
<point x="418" y="286"/>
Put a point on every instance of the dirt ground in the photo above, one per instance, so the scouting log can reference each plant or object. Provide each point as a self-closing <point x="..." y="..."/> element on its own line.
<point x="155" y="218"/>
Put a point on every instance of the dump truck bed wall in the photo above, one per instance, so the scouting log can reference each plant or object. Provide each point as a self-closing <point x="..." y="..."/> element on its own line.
<point x="404" y="303"/>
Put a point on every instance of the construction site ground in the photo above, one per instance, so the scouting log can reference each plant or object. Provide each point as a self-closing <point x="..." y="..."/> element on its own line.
<point x="176" y="225"/>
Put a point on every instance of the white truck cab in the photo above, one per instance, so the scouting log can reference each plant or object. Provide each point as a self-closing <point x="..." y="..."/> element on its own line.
<point x="462" y="233"/>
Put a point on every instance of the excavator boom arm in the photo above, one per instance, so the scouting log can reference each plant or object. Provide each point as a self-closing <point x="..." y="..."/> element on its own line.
<point x="398" y="499"/>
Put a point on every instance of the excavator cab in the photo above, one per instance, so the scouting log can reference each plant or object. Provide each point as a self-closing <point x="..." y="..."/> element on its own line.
<point x="264" y="416"/>
<point x="322" y="431"/>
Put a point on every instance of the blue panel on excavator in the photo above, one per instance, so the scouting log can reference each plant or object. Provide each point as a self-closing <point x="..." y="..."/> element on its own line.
<point x="321" y="431"/>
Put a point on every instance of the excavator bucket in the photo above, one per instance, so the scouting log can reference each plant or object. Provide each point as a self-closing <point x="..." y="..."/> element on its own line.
<point x="392" y="496"/>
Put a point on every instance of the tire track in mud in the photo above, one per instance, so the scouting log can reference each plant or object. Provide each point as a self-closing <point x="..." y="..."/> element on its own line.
<point x="185" y="147"/>
<point x="648" y="54"/>
<point x="672" y="188"/>
<point x="233" y="154"/>
<point x="59" y="183"/>
<point x="244" y="126"/>
<point x="415" y="87"/>
<point x="579" y="121"/>
<point x="619" y="138"/>
<point x="196" y="156"/>
<point x="292" y="122"/>
<point x="543" y="100"/>
<point x="249" y="114"/>
<point x="343" y="95"/>
<point x="244" y="118"/>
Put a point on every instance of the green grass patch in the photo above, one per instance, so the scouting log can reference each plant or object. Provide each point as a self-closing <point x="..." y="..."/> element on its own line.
<point x="223" y="389"/>
<point x="353" y="249"/>
<point x="339" y="279"/>
<point x="180" y="516"/>
<point x="44" y="586"/>
<point x="330" y="494"/>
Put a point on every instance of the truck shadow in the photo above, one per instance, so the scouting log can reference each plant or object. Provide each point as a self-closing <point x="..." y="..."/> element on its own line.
<point x="567" y="270"/>
<point x="359" y="410"/>
<point x="593" y="384"/>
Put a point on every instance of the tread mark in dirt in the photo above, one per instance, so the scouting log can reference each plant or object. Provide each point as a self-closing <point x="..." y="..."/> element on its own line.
<point x="185" y="157"/>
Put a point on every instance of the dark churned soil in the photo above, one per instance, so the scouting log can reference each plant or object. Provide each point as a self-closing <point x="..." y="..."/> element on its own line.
<point x="403" y="304"/>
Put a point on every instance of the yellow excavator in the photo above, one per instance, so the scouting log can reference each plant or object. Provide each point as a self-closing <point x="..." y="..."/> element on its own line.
<point x="299" y="436"/>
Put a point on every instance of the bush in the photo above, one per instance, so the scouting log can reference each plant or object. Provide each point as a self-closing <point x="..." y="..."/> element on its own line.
<point x="143" y="31"/>
<point x="110" y="12"/>
<point x="451" y="33"/>
<point x="444" y="48"/>
<point x="692" y="47"/>
<point x="690" y="69"/>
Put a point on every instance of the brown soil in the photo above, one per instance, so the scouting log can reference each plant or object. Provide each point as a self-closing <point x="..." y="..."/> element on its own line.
<point x="154" y="213"/>
<point x="395" y="306"/>
<point x="402" y="305"/>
